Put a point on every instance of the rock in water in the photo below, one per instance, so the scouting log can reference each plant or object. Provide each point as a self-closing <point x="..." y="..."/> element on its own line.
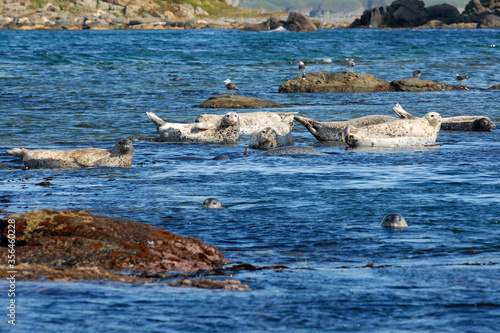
<point x="238" y="102"/>
<point x="77" y="239"/>
<point x="345" y="82"/>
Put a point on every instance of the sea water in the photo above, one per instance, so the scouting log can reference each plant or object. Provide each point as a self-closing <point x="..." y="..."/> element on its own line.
<point x="317" y="215"/>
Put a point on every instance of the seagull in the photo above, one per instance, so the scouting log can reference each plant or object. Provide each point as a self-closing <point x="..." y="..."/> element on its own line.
<point x="416" y="74"/>
<point x="302" y="68"/>
<point x="461" y="78"/>
<point x="231" y="87"/>
<point x="350" y="64"/>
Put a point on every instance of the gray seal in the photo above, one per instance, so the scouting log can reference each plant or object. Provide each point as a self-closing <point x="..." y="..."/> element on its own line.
<point x="268" y="138"/>
<point x="212" y="203"/>
<point x="332" y="130"/>
<point x="292" y="151"/>
<point x="459" y="123"/>
<point x="120" y="156"/>
<point x="224" y="130"/>
<point x="394" y="221"/>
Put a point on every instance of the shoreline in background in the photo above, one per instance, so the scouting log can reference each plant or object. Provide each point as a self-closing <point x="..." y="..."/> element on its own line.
<point x="143" y="15"/>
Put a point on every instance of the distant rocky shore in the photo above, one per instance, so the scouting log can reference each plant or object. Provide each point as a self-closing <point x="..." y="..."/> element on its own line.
<point x="147" y="14"/>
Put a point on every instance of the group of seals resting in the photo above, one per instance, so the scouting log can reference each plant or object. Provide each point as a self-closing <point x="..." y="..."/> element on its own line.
<point x="387" y="131"/>
<point x="120" y="156"/>
<point x="268" y="130"/>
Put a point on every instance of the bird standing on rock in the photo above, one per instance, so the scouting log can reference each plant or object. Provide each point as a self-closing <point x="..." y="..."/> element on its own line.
<point x="351" y="64"/>
<point x="461" y="78"/>
<point x="302" y="68"/>
<point x="416" y="74"/>
<point x="231" y="87"/>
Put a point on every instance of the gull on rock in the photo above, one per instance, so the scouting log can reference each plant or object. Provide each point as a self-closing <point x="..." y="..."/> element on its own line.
<point x="231" y="87"/>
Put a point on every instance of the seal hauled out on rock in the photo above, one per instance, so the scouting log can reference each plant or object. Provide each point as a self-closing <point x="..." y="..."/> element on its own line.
<point x="397" y="133"/>
<point x="226" y="129"/>
<point x="268" y="138"/>
<point x="332" y="130"/>
<point x="394" y="221"/>
<point x="251" y="122"/>
<point x="120" y="156"/>
<point x="212" y="203"/>
<point x="459" y="123"/>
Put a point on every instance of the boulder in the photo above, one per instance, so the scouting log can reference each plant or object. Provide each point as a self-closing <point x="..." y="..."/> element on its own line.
<point x="345" y="82"/>
<point x="238" y="102"/>
<point x="299" y="23"/>
<point x="408" y="13"/>
<point x="76" y="239"/>
<point x="490" y="21"/>
<point x="414" y="85"/>
<point x="405" y="14"/>
<point x="295" y="22"/>
<point x="445" y="13"/>
<point x="477" y="10"/>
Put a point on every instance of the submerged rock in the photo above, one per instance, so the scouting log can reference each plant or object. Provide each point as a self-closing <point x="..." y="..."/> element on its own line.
<point x="238" y="102"/>
<point x="77" y="241"/>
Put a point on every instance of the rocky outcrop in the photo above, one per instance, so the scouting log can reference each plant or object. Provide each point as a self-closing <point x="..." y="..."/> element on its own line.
<point x="348" y="82"/>
<point x="416" y="85"/>
<point x="295" y="22"/>
<point x="77" y="241"/>
<point x="477" y="10"/>
<point x="238" y="102"/>
<point x="413" y="13"/>
<point x="490" y="22"/>
<point x="345" y="82"/>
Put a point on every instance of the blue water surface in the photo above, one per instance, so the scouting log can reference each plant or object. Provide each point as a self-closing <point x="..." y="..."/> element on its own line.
<point x="317" y="215"/>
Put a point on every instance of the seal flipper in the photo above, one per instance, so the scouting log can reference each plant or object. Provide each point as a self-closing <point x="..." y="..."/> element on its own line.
<point x="203" y="126"/>
<point x="308" y="123"/>
<point x="402" y="113"/>
<point x="349" y="134"/>
<point x="156" y="120"/>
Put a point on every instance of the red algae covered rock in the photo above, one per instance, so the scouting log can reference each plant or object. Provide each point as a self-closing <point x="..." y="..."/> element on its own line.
<point x="74" y="241"/>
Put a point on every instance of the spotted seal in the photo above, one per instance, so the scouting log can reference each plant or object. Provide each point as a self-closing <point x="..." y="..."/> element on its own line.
<point x="394" y="221"/>
<point x="459" y="123"/>
<point x="268" y="138"/>
<point x="212" y="203"/>
<point x="224" y="130"/>
<point x="292" y="151"/>
<point x="120" y="156"/>
<point x="251" y="122"/>
<point x="397" y="133"/>
<point x="332" y="130"/>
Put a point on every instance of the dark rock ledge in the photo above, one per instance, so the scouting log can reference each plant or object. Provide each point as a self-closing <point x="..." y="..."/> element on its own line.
<point x="76" y="245"/>
<point x="347" y="82"/>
